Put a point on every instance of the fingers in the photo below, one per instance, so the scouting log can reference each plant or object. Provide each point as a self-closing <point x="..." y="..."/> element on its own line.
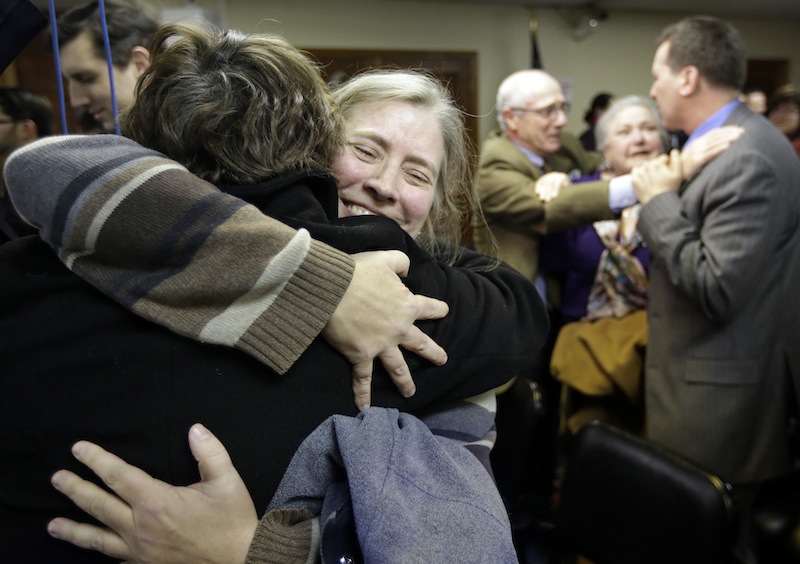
<point x="549" y="186"/>
<point x="724" y="135"/>
<point x="212" y="458"/>
<point x="394" y="363"/>
<point x="674" y="162"/>
<point x="421" y="344"/>
<point x="100" y="504"/>
<point x="396" y="260"/>
<point x="362" y="384"/>
<point x="430" y="308"/>
<point x="126" y="480"/>
<point x="707" y="147"/>
<point x="89" y="536"/>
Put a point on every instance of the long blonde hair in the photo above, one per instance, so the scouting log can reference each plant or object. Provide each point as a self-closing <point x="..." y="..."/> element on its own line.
<point x="453" y="201"/>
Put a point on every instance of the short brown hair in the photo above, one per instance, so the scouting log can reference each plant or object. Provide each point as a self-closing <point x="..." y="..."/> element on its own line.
<point x="234" y="108"/>
<point x="712" y="45"/>
<point x="129" y="25"/>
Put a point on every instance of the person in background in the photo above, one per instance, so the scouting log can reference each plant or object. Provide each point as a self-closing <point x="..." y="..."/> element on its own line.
<point x="725" y="258"/>
<point x="755" y="98"/>
<point x="783" y="112"/>
<point x="83" y="59"/>
<point x="24" y="117"/>
<point x="599" y="104"/>
<point x="522" y="201"/>
<point x="599" y="352"/>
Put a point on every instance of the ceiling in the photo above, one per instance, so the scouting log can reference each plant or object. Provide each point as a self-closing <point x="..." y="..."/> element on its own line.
<point x="783" y="9"/>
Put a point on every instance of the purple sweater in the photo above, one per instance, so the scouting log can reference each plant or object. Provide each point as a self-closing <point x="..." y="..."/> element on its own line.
<point x="572" y="256"/>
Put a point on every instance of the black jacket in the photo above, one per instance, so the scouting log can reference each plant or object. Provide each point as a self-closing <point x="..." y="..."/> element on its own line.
<point x="76" y="365"/>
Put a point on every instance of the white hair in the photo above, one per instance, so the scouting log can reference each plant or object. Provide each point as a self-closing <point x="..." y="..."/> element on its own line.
<point x="517" y="89"/>
<point x="603" y="126"/>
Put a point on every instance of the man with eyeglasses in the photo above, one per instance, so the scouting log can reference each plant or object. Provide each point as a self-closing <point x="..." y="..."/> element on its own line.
<point x="532" y="112"/>
<point x="24" y="117"/>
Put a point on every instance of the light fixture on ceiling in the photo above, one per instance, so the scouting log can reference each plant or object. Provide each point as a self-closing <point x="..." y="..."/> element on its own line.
<point x="584" y="20"/>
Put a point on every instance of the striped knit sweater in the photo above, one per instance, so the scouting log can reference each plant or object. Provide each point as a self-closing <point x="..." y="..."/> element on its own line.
<point x="177" y="272"/>
<point x="176" y="269"/>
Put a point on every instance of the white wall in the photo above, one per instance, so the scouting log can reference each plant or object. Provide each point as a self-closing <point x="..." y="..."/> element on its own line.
<point x="616" y="57"/>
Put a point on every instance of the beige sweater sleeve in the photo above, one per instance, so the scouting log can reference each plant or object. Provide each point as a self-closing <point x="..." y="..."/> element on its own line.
<point x="285" y="536"/>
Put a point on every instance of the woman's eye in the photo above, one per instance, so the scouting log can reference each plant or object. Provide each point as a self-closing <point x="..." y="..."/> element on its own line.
<point x="364" y="152"/>
<point x="418" y="177"/>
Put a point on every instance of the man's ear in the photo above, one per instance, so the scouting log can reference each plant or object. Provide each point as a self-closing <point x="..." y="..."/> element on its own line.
<point x="140" y="59"/>
<point x="690" y="80"/>
<point x="26" y="131"/>
<point x="510" y="118"/>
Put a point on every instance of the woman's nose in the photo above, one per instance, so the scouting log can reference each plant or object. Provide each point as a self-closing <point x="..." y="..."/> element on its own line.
<point x="382" y="184"/>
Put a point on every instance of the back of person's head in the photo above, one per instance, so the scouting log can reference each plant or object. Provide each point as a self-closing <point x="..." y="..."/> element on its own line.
<point x="598" y="105"/>
<point x="783" y="110"/>
<point x="234" y="108"/>
<point x="21" y="104"/>
<point x="519" y="88"/>
<point x="129" y="25"/>
<point x="603" y="127"/>
<point x="712" y="45"/>
<point x="453" y="198"/>
<point x="786" y="95"/>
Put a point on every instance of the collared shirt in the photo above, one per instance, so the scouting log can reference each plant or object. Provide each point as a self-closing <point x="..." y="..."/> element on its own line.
<point x="533" y="157"/>
<point x="620" y="193"/>
<point x="718" y="119"/>
<point x="620" y="189"/>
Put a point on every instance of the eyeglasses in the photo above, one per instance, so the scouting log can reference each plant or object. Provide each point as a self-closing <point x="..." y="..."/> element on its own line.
<point x="549" y="112"/>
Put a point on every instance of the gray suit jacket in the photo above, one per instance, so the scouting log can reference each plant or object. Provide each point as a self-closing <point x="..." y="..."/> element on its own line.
<point x="724" y="304"/>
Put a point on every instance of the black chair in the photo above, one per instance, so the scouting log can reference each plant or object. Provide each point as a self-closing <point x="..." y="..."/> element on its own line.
<point x="626" y="500"/>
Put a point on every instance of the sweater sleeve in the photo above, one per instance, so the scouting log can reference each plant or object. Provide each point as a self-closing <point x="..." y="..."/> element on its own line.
<point x="505" y="181"/>
<point x="169" y="258"/>
<point x="285" y="536"/>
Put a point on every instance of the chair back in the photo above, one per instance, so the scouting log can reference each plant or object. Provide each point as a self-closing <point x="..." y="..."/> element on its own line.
<point x="627" y="500"/>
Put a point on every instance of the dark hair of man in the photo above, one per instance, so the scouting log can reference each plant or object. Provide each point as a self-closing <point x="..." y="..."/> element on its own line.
<point x="234" y="108"/>
<point x="129" y="25"/>
<point x="20" y="104"/>
<point x="710" y="44"/>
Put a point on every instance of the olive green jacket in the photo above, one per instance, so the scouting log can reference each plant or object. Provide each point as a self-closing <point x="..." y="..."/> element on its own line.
<point x="515" y="217"/>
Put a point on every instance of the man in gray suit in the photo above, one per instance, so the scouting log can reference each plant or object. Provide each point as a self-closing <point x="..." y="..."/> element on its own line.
<point x="724" y="298"/>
